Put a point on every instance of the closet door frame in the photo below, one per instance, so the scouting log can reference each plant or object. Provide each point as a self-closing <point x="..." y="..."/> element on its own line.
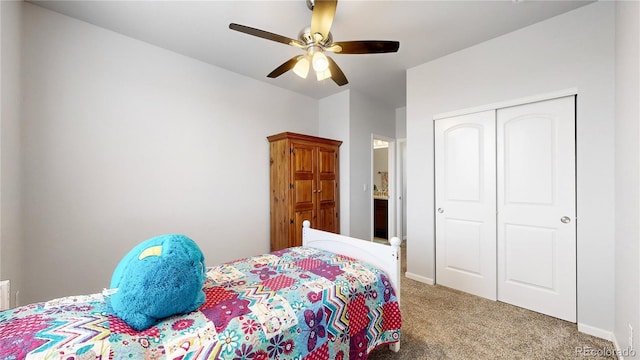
<point x="573" y="92"/>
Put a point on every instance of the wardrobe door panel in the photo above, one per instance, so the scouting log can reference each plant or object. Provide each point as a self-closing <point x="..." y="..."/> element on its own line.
<point x="303" y="160"/>
<point x="327" y="189"/>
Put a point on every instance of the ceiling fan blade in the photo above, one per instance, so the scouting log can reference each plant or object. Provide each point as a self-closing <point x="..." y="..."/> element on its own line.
<point x="336" y="74"/>
<point x="364" y="47"/>
<point x="288" y="65"/>
<point x="322" y="16"/>
<point x="265" y="35"/>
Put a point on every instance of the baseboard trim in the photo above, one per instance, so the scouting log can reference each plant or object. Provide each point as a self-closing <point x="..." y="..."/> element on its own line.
<point x="621" y="353"/>
<point x="420" y="278"/>
<point x="597" y="332"/>
<point x="618" y="350"/>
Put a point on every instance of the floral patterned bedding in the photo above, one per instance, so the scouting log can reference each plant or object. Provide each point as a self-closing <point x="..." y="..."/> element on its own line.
<point x="297" y="303"/>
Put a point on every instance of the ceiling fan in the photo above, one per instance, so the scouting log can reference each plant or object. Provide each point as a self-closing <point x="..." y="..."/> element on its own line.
<point x="315" y="40"/>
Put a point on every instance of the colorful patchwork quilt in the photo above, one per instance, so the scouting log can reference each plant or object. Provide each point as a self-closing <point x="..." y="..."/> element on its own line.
<point x="297" y="303"/>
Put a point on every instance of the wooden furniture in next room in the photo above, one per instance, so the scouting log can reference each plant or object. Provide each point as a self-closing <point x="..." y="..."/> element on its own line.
<point x="380" y="218"/>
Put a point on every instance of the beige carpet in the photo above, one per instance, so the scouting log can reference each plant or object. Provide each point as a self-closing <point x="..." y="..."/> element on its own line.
<point x="442" y="323"/>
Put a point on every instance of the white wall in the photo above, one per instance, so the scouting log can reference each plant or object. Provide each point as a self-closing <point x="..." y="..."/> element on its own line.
<point x="353" y="118"/>
<point x="573" y="50"/>
<point x="627" y="174"/>
<point x="401" y="122"/>
<point x="367" y="117"/>
<point x="124" y="141"/>
<point x="10" y="170"/>
<point x="333" y="118"/>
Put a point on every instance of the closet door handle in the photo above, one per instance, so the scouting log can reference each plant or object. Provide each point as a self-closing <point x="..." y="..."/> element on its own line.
<point x="565" y="219"/>
<point x="440" y="210"/>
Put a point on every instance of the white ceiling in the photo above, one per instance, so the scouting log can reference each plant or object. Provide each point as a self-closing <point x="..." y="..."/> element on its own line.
<point x="426" y="30"/>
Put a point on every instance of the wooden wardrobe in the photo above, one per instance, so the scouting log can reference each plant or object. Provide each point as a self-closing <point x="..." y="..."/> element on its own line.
<point x="304" y="177"/>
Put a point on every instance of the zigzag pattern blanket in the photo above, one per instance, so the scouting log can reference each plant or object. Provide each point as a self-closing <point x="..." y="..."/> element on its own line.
<point x="298" y="303"/>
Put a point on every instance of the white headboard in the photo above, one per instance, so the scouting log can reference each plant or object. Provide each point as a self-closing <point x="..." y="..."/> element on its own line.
<point x="382" y="256"/>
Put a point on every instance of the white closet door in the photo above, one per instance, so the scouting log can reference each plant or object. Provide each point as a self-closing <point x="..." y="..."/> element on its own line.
<point x="466" y="203"/>
<point x="536" y="207"/>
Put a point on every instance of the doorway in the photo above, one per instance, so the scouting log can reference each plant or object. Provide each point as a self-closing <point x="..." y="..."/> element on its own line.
<point x="383" y="183"/>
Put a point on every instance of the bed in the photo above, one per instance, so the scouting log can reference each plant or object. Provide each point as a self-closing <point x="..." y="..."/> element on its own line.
<point x="335" y="297"/>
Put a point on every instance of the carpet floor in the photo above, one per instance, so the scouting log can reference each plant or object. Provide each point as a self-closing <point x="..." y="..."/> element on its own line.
<point x="442" y="323"/>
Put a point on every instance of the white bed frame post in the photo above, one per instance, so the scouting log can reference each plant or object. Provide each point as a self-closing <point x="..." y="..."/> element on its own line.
<point x="384" y="257"/>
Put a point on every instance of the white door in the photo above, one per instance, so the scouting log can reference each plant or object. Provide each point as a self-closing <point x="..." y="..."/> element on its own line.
<point x="465" y="161"/>
<point x="536" y="207"/>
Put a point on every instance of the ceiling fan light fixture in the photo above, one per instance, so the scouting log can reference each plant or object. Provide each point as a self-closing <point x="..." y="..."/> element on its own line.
<point x="319" y="61"/>
<point x="324" y="74"/>
<point x="302" y="67"/>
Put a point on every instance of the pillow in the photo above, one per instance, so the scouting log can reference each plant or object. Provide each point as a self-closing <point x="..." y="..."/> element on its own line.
<point x="160" y="277"/>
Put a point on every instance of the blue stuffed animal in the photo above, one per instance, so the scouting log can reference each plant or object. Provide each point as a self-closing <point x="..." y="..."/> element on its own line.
<point x="160" y="277"/>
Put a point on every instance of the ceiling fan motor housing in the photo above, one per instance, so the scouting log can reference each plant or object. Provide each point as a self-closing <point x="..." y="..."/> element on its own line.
<point x="306" y="37"/>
